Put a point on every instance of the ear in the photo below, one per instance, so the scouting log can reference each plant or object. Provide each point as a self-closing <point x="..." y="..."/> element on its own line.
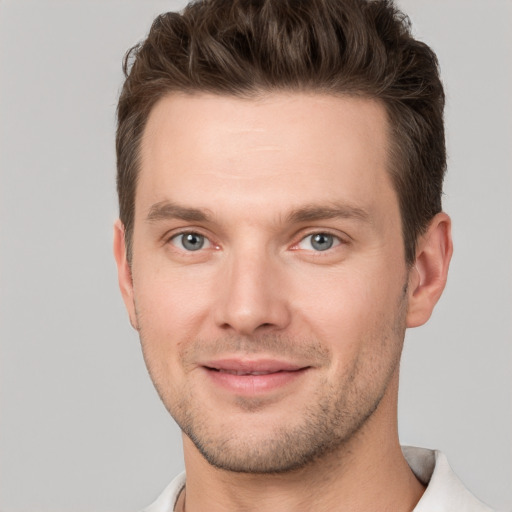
<point x="427" y="278"/>
<point x="124" y="273"/>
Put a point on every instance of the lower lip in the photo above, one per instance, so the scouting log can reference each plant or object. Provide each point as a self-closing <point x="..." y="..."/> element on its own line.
<point x="254" y="384"/>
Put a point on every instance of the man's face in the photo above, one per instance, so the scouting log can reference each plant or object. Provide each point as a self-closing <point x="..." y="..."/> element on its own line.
<point x="269" y="281"/>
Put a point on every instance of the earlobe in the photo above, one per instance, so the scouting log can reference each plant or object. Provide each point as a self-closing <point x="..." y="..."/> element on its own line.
<point x="428" y="275"/>
<point x="124" y="273"/>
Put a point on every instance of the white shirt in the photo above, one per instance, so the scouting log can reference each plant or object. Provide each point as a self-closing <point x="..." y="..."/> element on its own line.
<point x="444" y="493"/>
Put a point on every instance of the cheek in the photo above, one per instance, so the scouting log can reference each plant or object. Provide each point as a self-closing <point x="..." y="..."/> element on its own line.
<point x="172" y="301"/>
<point x="350" y="309"/>
<point x="166" y="321"/>
<point x="350" y="292"/>
<point x="170" y="310"/>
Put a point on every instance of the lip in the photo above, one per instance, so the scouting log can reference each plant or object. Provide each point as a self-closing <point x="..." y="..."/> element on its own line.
<point x="253" y="377"/>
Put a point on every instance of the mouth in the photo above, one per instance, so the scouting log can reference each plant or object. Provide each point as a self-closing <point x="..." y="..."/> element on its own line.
<point x="253" y="377"/>
<point x="242" y="372"/>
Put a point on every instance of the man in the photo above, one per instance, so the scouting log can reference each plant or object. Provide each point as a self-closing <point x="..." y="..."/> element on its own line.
<point x="280" y="169"/>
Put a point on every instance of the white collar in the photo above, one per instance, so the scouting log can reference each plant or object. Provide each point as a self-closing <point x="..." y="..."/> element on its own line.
<point x="444" y="493"/>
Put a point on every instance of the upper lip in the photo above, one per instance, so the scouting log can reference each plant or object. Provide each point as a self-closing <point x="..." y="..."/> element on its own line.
<point x="252" y="365"/>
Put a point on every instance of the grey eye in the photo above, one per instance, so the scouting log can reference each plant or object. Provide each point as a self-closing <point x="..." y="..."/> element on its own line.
<point x="190" y="241"/>
<point x="322" y="241"/>
<point x="319" y="242"/>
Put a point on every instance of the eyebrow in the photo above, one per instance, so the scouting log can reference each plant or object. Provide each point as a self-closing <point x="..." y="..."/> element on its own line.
<point x="165" y="210"/>
<point x="336" y="211"/>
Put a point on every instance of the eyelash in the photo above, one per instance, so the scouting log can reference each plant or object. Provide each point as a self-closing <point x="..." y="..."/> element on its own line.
<point x="182" y="234"/>
<point x="337" y="241"/>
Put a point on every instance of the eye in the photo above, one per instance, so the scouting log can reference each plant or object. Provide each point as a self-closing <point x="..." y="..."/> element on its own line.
<point x="319" y="242"/>
<point x="190" y="241"/>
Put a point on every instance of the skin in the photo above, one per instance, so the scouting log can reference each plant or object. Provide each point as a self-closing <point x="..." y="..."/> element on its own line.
<point x="254" y="181"/>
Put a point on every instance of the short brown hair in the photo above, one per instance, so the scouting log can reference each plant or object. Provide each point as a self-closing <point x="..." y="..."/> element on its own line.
<point x="248" y="47"/>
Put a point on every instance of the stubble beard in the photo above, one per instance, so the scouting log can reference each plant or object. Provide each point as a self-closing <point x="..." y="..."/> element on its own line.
<point x="326" y="426"/>
<point x="337" y="412"/>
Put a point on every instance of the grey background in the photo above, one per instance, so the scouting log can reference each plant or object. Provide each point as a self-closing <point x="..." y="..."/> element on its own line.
<point x="81" y="428"/>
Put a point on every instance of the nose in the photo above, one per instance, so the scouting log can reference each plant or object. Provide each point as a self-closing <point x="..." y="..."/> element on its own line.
<point x="252" y="296"/>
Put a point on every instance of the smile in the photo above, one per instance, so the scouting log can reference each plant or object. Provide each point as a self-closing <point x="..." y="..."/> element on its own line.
<point x="249" y="378"/>
<point x="241" y="372"/>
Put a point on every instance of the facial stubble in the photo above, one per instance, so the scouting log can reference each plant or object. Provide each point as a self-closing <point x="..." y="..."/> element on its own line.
<point x="327" y="423"/>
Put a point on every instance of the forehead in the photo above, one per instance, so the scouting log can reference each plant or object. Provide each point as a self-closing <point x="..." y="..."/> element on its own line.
<point x="279" y="147"/>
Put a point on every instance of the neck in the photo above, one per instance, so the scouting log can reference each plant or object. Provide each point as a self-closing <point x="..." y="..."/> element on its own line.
<point x="368" y="473"/>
